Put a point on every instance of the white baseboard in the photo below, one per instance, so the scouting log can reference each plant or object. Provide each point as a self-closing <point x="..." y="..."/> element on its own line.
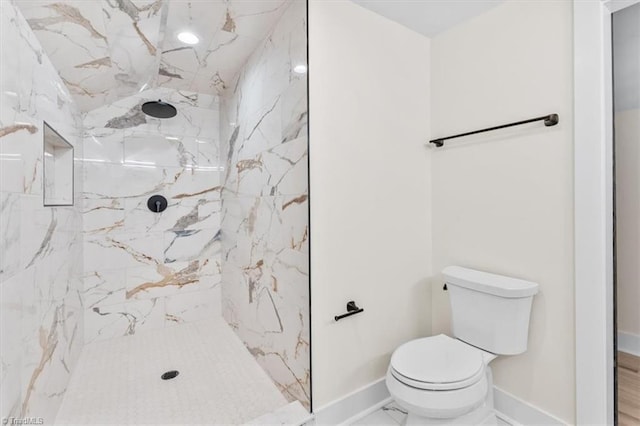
<point x="519" y="412"/>
<point x="354" y="406"/>
<point x="364" y="401"/>
<point x="629" y="343"/>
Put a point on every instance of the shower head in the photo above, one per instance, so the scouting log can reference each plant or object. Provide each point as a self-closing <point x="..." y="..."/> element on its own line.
<point x="159" y="109"/>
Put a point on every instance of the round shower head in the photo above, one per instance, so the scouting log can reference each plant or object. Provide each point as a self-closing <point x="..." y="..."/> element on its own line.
<point x="159" y="109"/>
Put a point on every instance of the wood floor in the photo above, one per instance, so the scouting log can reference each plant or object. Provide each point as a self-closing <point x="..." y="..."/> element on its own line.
<point x="628" y="390"/>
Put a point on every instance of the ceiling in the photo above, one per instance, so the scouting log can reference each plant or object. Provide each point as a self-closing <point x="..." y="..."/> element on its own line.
<point x="429" y="17"/>
<point x="107" y="50"/>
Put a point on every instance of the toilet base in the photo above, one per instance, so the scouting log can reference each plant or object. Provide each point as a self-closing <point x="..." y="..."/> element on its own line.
<point x="484" y="414"/>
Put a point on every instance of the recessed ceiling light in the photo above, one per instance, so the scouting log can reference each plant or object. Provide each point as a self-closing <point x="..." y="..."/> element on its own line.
<point x="188" y="38"/>
<point x="300" y="69"/>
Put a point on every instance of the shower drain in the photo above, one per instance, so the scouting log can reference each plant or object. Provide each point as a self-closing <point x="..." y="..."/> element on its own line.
<point x="170" y="375"/>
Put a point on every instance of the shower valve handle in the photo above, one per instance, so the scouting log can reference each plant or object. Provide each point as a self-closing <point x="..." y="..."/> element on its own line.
<point x="157" y="203"/>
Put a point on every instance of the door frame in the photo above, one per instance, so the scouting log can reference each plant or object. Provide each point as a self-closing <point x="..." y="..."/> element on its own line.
<point x="594" y="210"/>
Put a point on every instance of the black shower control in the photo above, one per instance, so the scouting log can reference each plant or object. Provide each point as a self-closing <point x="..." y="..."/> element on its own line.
<point x="157" y="203"/>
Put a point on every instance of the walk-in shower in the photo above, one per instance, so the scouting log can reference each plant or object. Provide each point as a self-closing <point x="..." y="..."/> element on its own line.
<point x="175" y="287"/>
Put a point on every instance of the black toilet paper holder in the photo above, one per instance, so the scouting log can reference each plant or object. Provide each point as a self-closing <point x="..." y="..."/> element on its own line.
<point x="352" y="309"/>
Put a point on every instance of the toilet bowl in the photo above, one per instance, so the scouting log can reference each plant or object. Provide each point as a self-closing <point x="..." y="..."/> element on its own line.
<point x="442" y="380"/>
<point x="439" y="378"/>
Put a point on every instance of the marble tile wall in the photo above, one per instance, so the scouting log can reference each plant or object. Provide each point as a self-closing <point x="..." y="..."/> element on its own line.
<point x="40" y="247"/>
<point x="144" y="269"/>
<point x="265" y="255"/>
<point x="107" y="50"/>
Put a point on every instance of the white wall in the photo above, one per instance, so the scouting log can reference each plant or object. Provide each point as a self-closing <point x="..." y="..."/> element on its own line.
<point x="627" y="132"/>
<point x="626" y="66"/>
<point x="503" y="202"/>
<point x="370" y="216"/>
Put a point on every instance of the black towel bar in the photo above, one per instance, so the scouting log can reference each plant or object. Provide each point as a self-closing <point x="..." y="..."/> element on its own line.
<point x="549" y="120"/>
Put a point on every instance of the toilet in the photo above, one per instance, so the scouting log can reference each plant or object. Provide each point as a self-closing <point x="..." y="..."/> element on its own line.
<point x="442" y="380"/>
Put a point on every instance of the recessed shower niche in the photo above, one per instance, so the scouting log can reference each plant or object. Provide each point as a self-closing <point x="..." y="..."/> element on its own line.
<point x="58" y="169"/>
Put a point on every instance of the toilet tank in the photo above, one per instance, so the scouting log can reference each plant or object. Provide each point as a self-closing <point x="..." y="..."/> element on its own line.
<point x="490" y="311"/>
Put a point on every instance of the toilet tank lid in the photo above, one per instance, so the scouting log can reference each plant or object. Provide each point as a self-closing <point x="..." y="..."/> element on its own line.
<point x="485" y="282"/>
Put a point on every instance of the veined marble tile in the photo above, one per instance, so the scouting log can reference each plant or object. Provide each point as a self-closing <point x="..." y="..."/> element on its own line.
<point x="263" y="129"/>
<point x="178" y="214"/>
<point x="294" y="111"/>
<point x="133" y="255"/>
<point x="265" y="285"/>
<point x="278" y="171"/>
<point x="103" y="87"/>
<point x="195" y="306"/>
<point x="21" y="155"/>
<point x="192" y="119"/>
<point x="51" y="332"/>
<point x="189" y="245"/>
<point x="11" y="313"/>
<point x="122" y="251"/>
<point x="103" y="215"/>
<point x="104" y="288"/>
<point x="216" y="69"/>
<point x="156" y="149"/>
<point x="122" y="114"/>
<point x="10" y="234"/>
<point x="128" y="180"/>
<point x="57" y="276"/>
<point x="103" y="146"/>
<point x="39" y="226"/>
<point x="41" y="247"/>
<point x="166" y="280"/>
<point x="247" y="17"/>
<point x="93" y="35"/>
<point x="11" y="168"/>
<point x="182" y="98"/>
<point x="208" y="215"/>
<point x="78" y="26"/>
<point x="133" y="48"/>
<point x="109" y="321"/>
<point x="106" y="322"/>
<point x="208" y="152"/>
<point x="196" y="183"/>
<point x="109" y="50"/>
<point x="269" y="309"/>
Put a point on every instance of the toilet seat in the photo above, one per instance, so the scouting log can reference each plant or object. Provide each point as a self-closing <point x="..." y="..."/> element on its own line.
<point x="438" y="363"/>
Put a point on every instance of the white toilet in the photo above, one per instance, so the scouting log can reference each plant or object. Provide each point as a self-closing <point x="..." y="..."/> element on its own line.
<point x="442" y="380"/>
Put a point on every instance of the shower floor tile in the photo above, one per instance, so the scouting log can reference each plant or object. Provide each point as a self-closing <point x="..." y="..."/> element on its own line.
<point x="117" y="381"/>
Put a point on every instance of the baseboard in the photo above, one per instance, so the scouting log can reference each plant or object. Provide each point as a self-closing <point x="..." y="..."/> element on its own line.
<point x="364" y="401"/>
<point x="355" y="405"/>
<point x="629" y="343"/>
<point x="520" y="412"/>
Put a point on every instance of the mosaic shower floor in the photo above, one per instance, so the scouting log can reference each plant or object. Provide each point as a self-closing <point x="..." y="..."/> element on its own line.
<point x="117" y="381"/>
